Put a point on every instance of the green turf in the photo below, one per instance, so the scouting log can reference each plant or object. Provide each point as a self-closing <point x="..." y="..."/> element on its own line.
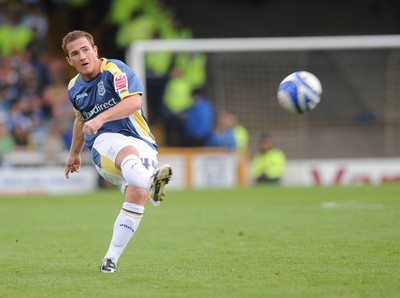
<point x="250" y="242"/>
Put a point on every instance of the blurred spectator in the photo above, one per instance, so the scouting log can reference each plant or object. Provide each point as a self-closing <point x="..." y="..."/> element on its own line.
<point x="30" y="107"/>
<point x="171" y="27"/>
<point x="176" y="100"/>
<point x="164" y="18"/>
<point x="241" y="135"/>
<point x="19" y="124"/>
<point x="121" y="10"/>
<point x="37" y="48"/>
<point x="32" y="86"/>
<point x="193" y="68"/>
<point x="229" y="133"/>
<point x="200" y="120"/>
<point x="9" y="82"/>
<point x="14" y="36"/>
<point x="7" y="143"/>
<point x="158" y="63"/>
<point x="35" y="19"/>
<point x="55" y="94"/>
<point x="141" y="20"/>
<point x="158" y="66"/>
<point x="21" y="137"/>
<point x="178" y="93"/>
<point x="56" y="101"/>
<point x="54" y="142"/>
<point x="29" y="81"/>
<point x="140" y="27"/>
<point x="268" y="164"/>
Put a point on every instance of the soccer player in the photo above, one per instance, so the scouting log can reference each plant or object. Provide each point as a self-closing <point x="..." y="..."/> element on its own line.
<point x="105" y="95"/>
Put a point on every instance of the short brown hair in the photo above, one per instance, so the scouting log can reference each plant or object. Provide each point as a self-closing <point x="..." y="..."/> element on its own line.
<point x="74" y="35"/>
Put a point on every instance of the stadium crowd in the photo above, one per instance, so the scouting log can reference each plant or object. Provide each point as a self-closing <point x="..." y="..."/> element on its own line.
<point x="35" y="113"/>
<point x="34" y="107"/>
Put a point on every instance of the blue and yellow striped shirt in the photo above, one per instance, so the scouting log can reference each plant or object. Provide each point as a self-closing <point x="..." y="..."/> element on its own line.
<point x="115" y="82"/>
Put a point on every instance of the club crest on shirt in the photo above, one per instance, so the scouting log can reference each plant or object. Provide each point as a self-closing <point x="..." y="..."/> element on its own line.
<point x="100" y="88"/>
<point x="120" y="82"/>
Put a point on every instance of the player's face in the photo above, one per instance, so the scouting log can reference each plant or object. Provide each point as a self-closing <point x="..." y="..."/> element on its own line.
<point x="83" y="56"/>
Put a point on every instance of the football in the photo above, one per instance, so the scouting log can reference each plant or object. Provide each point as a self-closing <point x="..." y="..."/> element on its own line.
<point x="300" y="92"/>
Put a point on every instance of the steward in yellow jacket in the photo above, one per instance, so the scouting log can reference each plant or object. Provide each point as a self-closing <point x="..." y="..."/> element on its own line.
<point x="268" y="165"/>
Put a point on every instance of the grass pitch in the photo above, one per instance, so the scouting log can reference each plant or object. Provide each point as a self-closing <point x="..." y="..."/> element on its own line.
<point x="247" y="242"/>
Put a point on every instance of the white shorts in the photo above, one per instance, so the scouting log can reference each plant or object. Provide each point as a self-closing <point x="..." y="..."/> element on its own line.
<point x="105" y="150"/>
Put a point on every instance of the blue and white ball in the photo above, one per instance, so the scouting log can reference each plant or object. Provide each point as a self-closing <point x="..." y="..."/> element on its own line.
<point x="300" y="92"/>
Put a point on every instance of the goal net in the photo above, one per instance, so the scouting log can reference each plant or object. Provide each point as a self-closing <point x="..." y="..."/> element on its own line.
<point x="359" y="114"/>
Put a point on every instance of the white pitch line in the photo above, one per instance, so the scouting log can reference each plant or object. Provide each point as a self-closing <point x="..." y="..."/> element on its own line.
<point x="350" y="205"/>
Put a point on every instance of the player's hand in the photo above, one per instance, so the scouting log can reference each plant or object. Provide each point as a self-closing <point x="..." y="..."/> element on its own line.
<point x="72" y="165"/>
<point x="92" y="126"/>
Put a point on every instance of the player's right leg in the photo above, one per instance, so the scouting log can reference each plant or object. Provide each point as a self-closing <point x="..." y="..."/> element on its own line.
<point x="160" y="178"/>
<point x="144" y="175"/>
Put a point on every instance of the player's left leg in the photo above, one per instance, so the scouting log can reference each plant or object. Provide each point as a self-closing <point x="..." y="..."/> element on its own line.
<point x="137" y="182"/>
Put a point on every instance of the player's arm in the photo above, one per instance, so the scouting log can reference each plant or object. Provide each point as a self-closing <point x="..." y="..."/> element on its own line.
<point x="73" y="162"/>
<point x="123" y="109"/>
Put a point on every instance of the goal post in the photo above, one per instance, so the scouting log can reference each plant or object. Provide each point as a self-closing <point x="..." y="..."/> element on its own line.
<point x="359" y="75"/>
